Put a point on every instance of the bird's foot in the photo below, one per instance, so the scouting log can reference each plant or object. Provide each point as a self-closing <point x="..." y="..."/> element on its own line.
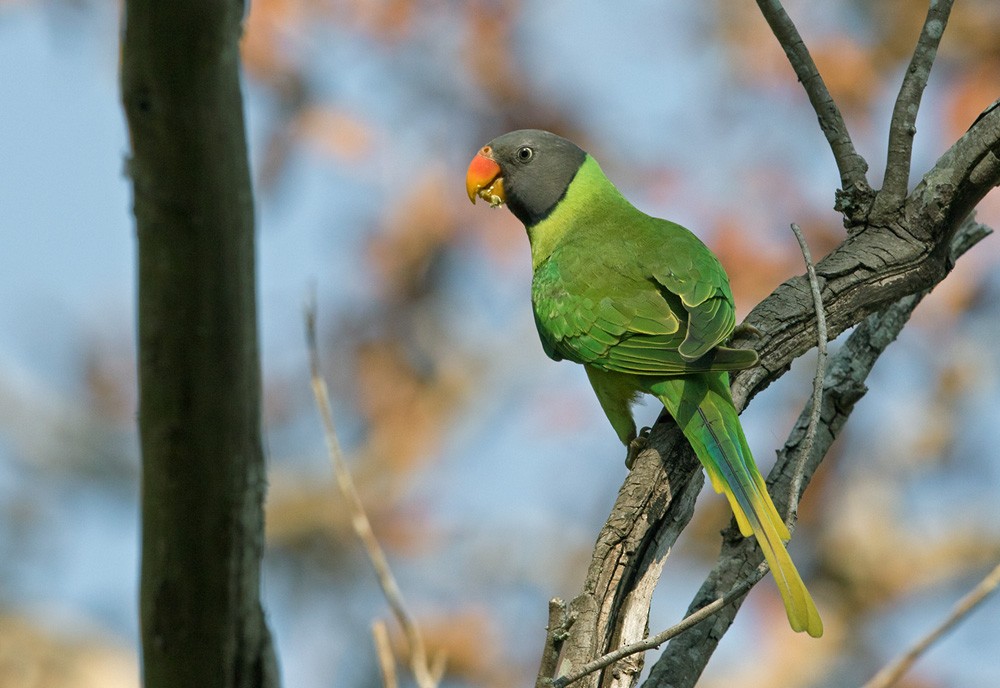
<point x="638" y="444"/>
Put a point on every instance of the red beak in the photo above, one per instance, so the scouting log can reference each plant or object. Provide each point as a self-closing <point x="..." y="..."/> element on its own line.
<point x="483" y="178"/>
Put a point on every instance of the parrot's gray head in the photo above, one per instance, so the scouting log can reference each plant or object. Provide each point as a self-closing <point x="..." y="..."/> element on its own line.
<point x="528" y="169"/>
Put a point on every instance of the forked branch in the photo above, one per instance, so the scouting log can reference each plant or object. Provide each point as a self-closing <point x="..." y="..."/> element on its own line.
<point x="902" y="128"/>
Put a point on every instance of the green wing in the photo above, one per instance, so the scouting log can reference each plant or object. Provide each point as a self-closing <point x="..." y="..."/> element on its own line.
<point x="657" y="306"/>
<point x="686" y="268"/>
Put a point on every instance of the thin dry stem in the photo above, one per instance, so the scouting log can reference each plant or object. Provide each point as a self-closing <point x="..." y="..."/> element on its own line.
<point x="795" y="488"/>
<point x="422" y="672"/>
<point x="894" y="671"/>
<point x="383" y="650"/>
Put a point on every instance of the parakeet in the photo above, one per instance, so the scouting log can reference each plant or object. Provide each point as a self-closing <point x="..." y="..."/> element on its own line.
<point x="646" y="307"/>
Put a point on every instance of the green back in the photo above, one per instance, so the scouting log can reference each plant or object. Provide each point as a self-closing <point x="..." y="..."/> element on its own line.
<point x="626" y="292"/>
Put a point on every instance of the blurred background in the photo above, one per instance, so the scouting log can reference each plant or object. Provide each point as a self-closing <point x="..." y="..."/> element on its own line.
<point x="487" y="469"/>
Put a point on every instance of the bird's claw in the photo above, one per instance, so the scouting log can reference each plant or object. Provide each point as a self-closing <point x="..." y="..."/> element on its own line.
<point x="638" y="444"/>
<point x="744" y="330"/>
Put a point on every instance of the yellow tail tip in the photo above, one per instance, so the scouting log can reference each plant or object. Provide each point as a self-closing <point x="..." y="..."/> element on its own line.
<point x="802" y="614"/>
<point x="811" y="624"/>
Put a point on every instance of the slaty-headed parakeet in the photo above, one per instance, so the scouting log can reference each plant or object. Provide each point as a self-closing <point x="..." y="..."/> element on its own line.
<point x="646" y="307"/>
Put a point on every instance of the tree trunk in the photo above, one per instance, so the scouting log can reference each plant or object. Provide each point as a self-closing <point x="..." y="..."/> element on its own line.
<point x="199" y="377"/>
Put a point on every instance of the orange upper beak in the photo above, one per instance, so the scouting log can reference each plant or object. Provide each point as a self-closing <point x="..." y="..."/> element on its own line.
<point x="483" y="178"/>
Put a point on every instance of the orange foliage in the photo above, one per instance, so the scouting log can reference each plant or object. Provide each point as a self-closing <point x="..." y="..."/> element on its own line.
<point x="389" y="20"/>
<point x="754" y="269"/>
<point x="420" y="224"/>
<point x="334" y="132"/>
<point x="758" y="259"/>
<point x="969" y="93"/>
<point x="406" y="408"/>
<point x="34" y="655"/>
<point x="269" y="29"/>
<point x="488" y="48"/>
<point x="756" y="56"/>
<point x="849" y="70"/>
<point x="303" y="514"/>
<point x="868" y="548"/>
<point x="467" y="638"/>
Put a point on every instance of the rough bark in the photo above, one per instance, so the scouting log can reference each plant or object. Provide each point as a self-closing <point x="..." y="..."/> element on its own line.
<point x="199" y="378"/>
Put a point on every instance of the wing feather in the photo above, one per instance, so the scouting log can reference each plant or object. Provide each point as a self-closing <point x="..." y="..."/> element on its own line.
<point x="661" y="312"/>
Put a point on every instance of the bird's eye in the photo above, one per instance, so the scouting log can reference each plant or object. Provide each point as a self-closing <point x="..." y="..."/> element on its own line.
<point x="524" y="154"/>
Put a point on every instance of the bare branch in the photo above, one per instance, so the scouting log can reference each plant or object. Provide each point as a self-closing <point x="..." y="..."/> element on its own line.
<point x="878" y="266"/>
<point x="960" y="178"/>
<point x="903" y="128"/>
<point x="817" y="396"/>
<point x="638" y="534"/>
<point x="383" y="650"/>
<point x="422" y="672"/>
<point x="851" y="165"/>
<point x="893" y="672"/>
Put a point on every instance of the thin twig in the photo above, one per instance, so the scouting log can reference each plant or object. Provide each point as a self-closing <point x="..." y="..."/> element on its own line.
<point x="383" y="650"/>
<point x="359" y="519"/>
<point x="894" y="671"/>
<point x="902" y="127"/>
<point x="654" y="641"/>
<point x="817" y="396"/>
<point x="851" y="165"/>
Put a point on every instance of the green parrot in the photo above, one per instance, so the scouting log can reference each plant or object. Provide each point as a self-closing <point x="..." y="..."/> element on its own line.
<point x="646" y="307"/>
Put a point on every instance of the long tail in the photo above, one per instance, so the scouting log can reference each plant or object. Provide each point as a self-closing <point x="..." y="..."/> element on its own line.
<point x="703" y="408"/>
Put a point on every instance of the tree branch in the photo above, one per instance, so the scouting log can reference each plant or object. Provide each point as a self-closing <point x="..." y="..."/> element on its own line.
<point x="880" y="264"/>
<point x="635" y="539"/>
<point x="894" y="671"/>
<point x="383" y="651"/>
<point x="555" y="633"/>
<point x="851" y="165"/>
<point x="795" y="489"/>
<point x="903" y="128"/>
